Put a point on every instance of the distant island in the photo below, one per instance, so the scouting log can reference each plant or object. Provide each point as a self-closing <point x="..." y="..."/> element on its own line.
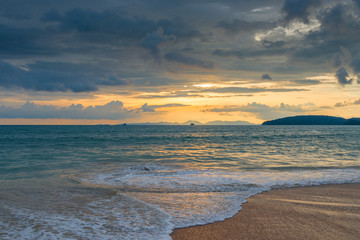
<point x="313" y="120"/>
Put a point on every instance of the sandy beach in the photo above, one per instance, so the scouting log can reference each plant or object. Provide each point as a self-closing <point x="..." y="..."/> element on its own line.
<point x="319" y="212"/>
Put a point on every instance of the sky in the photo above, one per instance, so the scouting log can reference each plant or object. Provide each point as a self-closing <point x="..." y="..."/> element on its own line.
<point x="209" y="61"/>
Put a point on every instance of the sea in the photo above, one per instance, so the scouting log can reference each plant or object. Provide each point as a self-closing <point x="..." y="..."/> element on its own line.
<point x="141" y="182"/>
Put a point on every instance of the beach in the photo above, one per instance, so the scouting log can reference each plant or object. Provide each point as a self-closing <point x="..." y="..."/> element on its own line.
<point x="318" y="212"/>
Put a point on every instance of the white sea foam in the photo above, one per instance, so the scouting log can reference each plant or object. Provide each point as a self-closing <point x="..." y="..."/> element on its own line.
<point x="195" y="197"/>
<point x="120" y="217"/>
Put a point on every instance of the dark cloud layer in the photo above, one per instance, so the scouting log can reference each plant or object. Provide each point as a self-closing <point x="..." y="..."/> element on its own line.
<point x="102" y="42"/>
<point x="189" y="61"/>
<point x="117" y="24"/>
<point x="54" y="77"/>
<point x="237" y="25"/>
<point x="18" y="42"/>
<point x="299" y="9"/>
<point x="101" y="22"/>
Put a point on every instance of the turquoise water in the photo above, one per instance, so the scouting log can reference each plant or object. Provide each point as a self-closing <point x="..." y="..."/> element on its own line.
<point x="140" y="182"/>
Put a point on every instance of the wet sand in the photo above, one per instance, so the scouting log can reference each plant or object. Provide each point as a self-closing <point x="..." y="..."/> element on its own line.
<point x="320" y="212"/>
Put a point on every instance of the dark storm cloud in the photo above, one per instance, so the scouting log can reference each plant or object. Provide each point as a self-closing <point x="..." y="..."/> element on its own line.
<point x="299" y="9"/>
<point x="189" y="61"/>
<point x="266" y="77"/>
<point x="112" y="110"/>
<point x="343" y="76"/>
<point x="54" y="77"/>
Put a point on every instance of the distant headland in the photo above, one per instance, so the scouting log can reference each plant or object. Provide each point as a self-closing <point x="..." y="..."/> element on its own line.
<point x="313" y="120"/>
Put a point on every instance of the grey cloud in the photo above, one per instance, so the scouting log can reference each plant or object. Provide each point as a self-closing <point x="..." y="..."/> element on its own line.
<point x="251" y="90"/>
<point x="147" y="108"/>
<point x="304" y="82"/>
<point x="54" y="77"/>
<point x="152" y="108"/>
<point x="239" y="25"/>
<point x="191" y="94"/>
<point x="299" y="9"/>
<point x="171" y="95"/>
<point x="272" y="44"/>
<point x="233" y="4"/>
<point x="88" y="32"/>
<point x="266" y="77"/>
<point x="228" y="53"/>
<point x="338" y="19"/>
<point x="355" y="64"/>
<point x="180" y="29"/>
<point x="357" y="2"/>
<point x="263" y="111"/>
<point x="116" y="24"/>
<point x="317" y="50"/>
<point x="112" y="110"/>
<point x="190" y="61"/>
<point x="347" y="103"/>
<point x="251" y="53"/>
<point x="153" y="40"/>
<point x="116" y="30"/>
<point x="343" y="77"/>
<point x="52" y="16"/>
<point x="337" y="60"/>
<point x="340" y="28"/>
<point x="16" y="42"/>
<point x="106" y="22"/>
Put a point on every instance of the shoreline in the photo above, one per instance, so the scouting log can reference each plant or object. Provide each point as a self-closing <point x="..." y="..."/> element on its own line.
<point x="330" y="211"/>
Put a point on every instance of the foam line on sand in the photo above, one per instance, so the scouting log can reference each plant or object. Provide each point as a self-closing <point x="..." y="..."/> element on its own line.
<point x="319" y="212"/>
